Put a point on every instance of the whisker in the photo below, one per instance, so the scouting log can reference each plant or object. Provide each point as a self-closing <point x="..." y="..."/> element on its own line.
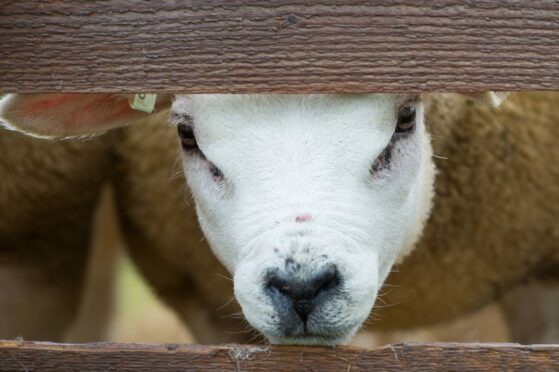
<point x="175" y="173"/>
<point x="385" y="305"/>
<point x="226" y="278"/>
<point x="226" y="304"/>
<point x="238" y="315"/>
<point x="187" y="196"/>
<point x="256" y="337"/>
<point x="243" y="332"/>
<point x="392" y="285"/>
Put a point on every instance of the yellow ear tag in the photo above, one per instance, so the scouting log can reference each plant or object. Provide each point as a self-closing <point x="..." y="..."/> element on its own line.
<point x="144" y="102"/>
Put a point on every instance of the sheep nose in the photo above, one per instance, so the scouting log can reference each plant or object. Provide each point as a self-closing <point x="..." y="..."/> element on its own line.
<point x="302" y="293"/>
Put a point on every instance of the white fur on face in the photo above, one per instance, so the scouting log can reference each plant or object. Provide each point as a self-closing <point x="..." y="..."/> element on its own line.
<point x="297" y="187"/>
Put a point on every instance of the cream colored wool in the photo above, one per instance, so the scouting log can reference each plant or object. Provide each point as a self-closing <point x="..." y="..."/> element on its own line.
<point x="48" y="191"/>
<point x="494" y="218"/>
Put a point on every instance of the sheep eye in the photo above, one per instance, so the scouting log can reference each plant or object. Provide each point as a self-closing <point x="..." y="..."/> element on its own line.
<point x="186" y="134"/>
<point x="406" y="119"/>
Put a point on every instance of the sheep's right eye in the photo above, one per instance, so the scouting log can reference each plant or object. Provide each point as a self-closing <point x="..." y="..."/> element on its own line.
<point x="188" y="140"/>
<point x="406" y="119"/>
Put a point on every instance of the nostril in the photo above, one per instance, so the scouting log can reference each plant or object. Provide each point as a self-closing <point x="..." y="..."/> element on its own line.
<point x="326" y="280"/>
<point x="279" y="283"/>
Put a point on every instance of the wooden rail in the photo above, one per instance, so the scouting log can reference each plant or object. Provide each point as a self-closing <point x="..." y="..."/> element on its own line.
<point x="278" y="46"/>
<point x="30" y="356"/>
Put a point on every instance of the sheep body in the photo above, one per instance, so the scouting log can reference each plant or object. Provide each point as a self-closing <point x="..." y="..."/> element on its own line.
<point x="48" y="193"/>
<point x="493" y="223"/>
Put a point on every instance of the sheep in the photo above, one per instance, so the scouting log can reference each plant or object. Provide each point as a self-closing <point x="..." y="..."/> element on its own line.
<point x="443" y="276"/>
<point x="47" y="204"/>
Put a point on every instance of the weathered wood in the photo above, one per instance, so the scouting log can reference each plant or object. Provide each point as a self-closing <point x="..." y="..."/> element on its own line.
<point x="278" y="46"/>
<point x="29" y="356"/>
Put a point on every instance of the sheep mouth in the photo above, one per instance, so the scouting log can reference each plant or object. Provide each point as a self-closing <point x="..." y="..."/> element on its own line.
<point x="312" y="339"/>
<point x="303" y="336"/>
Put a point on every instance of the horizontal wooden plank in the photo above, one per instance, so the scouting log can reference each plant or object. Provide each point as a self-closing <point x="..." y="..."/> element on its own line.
<point x="29" y="356"/>
<point x="284" y="46"/>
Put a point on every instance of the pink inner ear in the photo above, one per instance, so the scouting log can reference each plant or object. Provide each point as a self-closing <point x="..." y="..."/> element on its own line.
<point x="105" y="109"/>
<point x="50" y="101"/>
<point x="79" y="113"/>
<point x="122" y="110"/>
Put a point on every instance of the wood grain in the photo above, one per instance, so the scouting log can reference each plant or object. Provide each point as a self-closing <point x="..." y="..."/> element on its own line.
<point x="203" y="46"/>
<point x="30" y="356"/>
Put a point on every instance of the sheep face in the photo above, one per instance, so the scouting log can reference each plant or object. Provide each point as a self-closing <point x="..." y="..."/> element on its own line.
<point x="307" y="200"/>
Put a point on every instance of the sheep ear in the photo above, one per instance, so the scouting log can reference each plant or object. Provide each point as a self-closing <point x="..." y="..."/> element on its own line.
<point x="69" y="115"/>
<point x="493" y="99"/>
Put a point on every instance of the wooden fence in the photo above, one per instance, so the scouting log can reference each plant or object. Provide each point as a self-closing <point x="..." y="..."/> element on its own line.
<point x="278" y="46"/>
<point x="286" y="47"/>
<point x="30" y="356"/>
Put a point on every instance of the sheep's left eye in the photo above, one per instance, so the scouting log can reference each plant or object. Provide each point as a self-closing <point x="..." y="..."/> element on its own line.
<point x="186" y="134"/>
<point x="406" y="119"/>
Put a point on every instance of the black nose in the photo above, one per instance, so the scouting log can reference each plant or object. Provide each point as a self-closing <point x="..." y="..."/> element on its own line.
<point x="303" y="291"/>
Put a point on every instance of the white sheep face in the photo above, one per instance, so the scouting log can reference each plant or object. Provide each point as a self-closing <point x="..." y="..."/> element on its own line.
<point x="308" y="200"/>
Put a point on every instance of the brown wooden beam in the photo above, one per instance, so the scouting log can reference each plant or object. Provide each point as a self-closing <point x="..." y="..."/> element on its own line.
<point x="30" y="356"/>
<point x="203" y="46"/>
